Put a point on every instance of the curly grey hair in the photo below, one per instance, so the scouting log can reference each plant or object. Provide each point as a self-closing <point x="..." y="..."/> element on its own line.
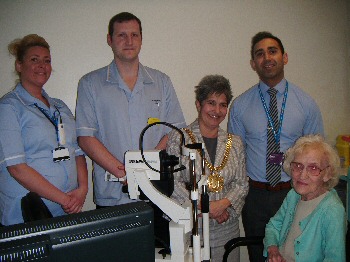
<point x="330" y="156"/>
<point x="213" y="84"/>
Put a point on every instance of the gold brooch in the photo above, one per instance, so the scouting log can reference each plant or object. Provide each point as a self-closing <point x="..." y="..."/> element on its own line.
<point x="215" y="182"/>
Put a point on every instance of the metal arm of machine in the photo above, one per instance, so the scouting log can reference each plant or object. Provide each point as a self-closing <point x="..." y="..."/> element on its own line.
<point x="139" y="175"/>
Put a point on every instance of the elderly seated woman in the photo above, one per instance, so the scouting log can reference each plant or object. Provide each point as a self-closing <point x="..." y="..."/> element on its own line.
<point x="311" y="223"/>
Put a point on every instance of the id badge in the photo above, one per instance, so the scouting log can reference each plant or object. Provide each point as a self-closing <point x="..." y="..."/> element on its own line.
<point x="61" y="135"/>
<point x="276" y="159"/>
<point x="60" y="154"/>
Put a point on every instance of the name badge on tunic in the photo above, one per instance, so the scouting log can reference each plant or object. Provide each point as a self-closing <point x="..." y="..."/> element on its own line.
<point x="60" y="154"/>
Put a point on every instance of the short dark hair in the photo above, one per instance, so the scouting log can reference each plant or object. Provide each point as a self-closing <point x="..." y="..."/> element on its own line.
<point x="120" y="18"/>
<point x="213" y="84"/>
<point x="263" y="35"/>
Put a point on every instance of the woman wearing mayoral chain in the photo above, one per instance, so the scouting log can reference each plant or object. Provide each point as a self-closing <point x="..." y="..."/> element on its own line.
<point x="224" y="159"/>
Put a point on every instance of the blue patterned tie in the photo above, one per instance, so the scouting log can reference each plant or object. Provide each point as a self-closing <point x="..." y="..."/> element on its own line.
<point x="273" y="172"/>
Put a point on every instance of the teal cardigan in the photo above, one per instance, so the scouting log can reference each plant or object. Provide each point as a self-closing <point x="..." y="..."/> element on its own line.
<point x="323" y="231"/>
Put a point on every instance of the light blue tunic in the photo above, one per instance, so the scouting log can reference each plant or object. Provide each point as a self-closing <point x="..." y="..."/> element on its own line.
<point x="108" y="110"/>
<point x="248" y="120"/>
<point x="27" y="136"/>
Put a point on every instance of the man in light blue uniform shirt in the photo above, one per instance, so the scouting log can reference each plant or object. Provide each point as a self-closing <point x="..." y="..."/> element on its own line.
<point x="248" y="119"/>
<point x="115" y="103"/>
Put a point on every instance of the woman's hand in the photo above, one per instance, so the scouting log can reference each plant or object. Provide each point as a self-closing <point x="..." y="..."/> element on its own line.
<point x="274" y="255"/>
<point x="76" y="197"/>
<point x="35" y="182"/>
<point x="217" y="209"/>
<point x="77" y="200"/>
<point x="223" y="218"/>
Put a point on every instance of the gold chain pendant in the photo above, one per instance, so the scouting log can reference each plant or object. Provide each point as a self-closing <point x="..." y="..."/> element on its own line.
<point x="215" y="180"/>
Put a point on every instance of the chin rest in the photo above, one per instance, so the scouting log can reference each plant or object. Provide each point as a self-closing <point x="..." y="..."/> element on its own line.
<point x="241" y="241"/>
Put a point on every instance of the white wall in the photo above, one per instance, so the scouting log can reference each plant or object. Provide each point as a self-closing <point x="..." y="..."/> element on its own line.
<point x="189" y="39"/>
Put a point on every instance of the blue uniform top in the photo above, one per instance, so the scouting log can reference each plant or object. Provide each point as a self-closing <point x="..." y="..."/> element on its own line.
<point x="108" y="110"/>
<point x="27" y="136"/>
<point x="248" y="120"/>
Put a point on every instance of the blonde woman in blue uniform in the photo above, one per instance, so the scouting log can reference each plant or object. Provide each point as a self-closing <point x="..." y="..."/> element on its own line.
<point x="38" y="146"/>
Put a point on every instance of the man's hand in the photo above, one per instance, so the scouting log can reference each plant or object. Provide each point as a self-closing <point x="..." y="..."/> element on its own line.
<point x="120" y="172"/>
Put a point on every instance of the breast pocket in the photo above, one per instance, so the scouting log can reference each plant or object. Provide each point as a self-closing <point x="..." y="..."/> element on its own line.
<point x="155" y="107"/>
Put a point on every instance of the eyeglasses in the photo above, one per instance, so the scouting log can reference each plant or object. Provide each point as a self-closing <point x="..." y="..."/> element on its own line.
<point x="311" y="170"/>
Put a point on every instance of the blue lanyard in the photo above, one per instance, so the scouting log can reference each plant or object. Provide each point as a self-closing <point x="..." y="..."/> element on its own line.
<point x="278" y="134"/>
<point x="52" y="119"/>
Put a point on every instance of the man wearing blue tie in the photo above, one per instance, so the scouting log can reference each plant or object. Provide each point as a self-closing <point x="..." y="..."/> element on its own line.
<point x="269" y="117"/>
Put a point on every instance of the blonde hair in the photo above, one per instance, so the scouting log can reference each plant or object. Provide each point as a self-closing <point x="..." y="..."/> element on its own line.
<point x="19" y="47"/>
<point x="331" y="157"/>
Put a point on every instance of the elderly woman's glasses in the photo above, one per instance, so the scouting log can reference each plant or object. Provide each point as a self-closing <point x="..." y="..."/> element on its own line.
<point x="311" y="170"/>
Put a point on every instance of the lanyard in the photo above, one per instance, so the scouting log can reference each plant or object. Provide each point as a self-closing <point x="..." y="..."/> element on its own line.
<point x="278" y="134"/>
<point x="58" y="126"/>
<point x="52" y="119"/>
